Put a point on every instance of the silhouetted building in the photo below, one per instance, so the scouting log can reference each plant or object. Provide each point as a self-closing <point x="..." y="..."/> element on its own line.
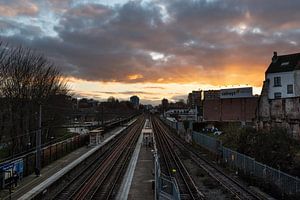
<point x="165" y="104"/>
<point x="194" y="99"/>
<point x="135" y="100"/>
<point x="177" y="105"/>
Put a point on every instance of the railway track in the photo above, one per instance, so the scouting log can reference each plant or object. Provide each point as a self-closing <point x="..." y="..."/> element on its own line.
<point x="239" y="190"/>
<point x="99" y="180"/>
<point x="187" y="187"/>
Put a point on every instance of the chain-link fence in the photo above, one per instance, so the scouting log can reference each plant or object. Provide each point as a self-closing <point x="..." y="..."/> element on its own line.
<point x="285" y="182"/>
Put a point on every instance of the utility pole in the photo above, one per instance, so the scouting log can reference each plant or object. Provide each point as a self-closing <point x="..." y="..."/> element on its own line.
<point x="102" y="115"/>
<point x="38" y="143"/>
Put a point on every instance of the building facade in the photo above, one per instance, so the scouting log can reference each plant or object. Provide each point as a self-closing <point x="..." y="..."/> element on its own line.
<point x="279" y="105"/>
<point x="211" y="94"/>
<point x="194" y="99"/>
<point x="182" y="114"/>
<point x="229" y="105"/>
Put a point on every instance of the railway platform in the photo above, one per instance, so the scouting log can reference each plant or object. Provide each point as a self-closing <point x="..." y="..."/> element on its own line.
<point x="141" y="187"/>
<point x="31" y="181"/>
<point x="31" y="185"/>
<point x="137" y="182"/>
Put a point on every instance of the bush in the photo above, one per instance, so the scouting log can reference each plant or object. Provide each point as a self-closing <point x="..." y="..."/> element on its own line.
<point x="274" y="148"/>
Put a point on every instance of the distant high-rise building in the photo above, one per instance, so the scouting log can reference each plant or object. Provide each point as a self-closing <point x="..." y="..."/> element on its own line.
<point x="135" y="100"/>
<point x="194" y="99"/>
<point x="165" y="104"/>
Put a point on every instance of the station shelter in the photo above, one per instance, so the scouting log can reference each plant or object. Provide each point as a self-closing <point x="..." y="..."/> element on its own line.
<point x="96" y="136"/>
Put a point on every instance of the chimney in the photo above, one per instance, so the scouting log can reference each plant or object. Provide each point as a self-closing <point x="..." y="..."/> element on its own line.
<point x="274" y="58"/>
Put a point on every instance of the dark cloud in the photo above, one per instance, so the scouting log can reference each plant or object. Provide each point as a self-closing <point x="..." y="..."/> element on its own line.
<point x="168" y="40"/>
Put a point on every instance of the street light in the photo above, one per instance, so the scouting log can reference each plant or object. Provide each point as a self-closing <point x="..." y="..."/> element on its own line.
<point x="38" y="143"/>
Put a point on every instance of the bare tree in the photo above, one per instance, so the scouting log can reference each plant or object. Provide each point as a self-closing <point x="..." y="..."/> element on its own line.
<point x="27" y="79"/>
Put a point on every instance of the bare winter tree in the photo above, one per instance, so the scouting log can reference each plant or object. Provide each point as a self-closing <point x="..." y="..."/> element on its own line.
<point x="27" y="79"/>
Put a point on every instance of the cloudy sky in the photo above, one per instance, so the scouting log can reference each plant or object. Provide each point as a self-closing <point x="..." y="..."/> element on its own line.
<point x="154" y="48"/>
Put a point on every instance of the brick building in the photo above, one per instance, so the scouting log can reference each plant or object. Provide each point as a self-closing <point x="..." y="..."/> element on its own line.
<point x="230" y="105"/>
<point x="211" y="94"/>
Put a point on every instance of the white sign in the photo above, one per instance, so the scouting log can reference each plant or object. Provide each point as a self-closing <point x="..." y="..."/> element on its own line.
<point x="236" y="93"/>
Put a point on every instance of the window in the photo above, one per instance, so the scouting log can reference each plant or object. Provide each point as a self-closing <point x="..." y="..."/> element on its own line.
<point x="290" y="89"/>
<point x="277" y="95"/>
<point x="277" y="81"/>
<point x="284" y="63"/>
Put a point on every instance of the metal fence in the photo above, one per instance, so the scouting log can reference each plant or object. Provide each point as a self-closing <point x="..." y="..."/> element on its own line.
<point x="165" y="187"/>
<point x="207" y="142"/>
<point x="51" y="153"/>
<point x="286" y="183"/>
<point x="178" y="126"/>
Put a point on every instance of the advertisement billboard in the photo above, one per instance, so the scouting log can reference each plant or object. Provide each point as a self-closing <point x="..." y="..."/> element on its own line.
<point x="236" y="93"/>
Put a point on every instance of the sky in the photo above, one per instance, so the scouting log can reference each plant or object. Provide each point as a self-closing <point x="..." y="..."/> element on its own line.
<point x="154" y="48"/>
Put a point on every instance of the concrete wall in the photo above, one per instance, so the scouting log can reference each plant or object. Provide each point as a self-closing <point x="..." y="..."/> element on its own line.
<point x="297" y="83"/>
<point x="263" y="104"/>
<point x="292" y="108"/>
<point x="283" y="113"/>
<point x="277" y="110"/>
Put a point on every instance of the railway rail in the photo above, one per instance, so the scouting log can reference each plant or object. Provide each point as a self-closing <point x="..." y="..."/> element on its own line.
<point x="239" y="190"/>
<point x="187" y="187"/>
<point x="99" y="179"/>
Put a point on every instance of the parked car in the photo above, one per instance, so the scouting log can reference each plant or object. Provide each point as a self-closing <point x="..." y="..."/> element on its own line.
<point x="218" y="133"/>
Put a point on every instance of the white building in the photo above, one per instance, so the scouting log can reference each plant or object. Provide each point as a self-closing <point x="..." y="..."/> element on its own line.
<point x="283" y="76"/>
<point x="279" y="104"/>
<point x="182" y="114"/>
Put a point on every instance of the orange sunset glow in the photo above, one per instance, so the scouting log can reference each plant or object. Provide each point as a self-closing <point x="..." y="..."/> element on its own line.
<point x="154" y="48"/>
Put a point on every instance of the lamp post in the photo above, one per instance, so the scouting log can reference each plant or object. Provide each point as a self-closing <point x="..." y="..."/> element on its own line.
<point x="38" y="143"/>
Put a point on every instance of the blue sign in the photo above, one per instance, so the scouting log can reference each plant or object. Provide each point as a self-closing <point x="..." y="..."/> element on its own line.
<point x="16" y="165"/>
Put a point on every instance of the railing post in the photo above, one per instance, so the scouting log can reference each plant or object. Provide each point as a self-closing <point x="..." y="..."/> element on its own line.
<point x="56" y="152"/>
<point x="297" y="181"/>
<point x="50" y="153"/>
<point x="244" y="164"/>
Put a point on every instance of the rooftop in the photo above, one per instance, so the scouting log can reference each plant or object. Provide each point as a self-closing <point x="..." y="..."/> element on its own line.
<point x="284" y="63"/>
